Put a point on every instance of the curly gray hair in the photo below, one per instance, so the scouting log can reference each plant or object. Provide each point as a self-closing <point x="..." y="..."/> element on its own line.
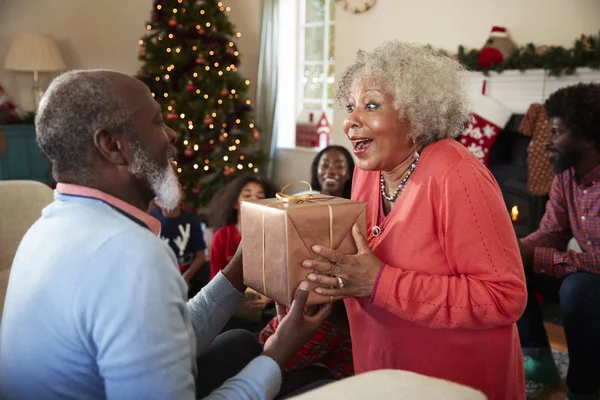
<point x="427" y="86"/>
<point x="74" y="106"/>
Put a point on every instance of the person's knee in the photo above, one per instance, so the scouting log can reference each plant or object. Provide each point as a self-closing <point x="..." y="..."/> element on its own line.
<point x="242" y="340"/>
<point x="578" y="295"/>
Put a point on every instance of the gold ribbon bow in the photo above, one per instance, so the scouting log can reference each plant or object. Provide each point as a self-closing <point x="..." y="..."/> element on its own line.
<point x="288" y="198"/>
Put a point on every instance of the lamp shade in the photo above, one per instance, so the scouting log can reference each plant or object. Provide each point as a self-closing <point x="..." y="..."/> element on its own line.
<point x="34" y="52"/>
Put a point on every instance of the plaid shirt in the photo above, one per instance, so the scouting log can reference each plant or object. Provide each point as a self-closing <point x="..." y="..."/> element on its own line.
<point x="573" y="210"/>
<point x="330" y="348"/>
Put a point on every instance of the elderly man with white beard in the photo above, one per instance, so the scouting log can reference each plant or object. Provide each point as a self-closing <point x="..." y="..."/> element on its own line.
<point x="96" y="307"/>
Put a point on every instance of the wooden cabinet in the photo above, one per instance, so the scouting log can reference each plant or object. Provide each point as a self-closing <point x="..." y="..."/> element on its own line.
<point x="20" y="155"/>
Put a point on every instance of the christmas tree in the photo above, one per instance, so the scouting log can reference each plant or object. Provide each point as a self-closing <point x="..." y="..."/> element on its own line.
<point x="190" y="63"/>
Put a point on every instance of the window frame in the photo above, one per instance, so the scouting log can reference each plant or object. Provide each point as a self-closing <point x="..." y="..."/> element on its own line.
<point x="326" y="61"/>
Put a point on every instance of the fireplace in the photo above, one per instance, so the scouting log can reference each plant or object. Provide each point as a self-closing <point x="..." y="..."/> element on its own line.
<point x="520" y="207"/>
<point x="508" y="164"/>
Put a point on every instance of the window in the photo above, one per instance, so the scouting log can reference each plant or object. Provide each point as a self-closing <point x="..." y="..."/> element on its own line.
<point x="317" y="49"/>
<point x="306" y="64"/>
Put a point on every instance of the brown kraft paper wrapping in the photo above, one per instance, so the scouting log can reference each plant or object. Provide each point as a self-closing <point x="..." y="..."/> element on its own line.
<point x="289" y="230"/>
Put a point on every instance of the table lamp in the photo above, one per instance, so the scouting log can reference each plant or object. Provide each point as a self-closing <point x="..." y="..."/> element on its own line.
<point x="34" y="53"/>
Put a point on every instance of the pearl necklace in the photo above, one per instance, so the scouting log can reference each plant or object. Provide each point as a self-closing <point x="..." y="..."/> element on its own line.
<point x="391" y="198"/>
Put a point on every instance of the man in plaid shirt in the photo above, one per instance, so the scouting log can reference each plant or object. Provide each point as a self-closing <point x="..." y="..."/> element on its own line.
<point x="573" y="277"/>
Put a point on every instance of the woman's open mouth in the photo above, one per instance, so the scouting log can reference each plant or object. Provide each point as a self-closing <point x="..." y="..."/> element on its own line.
<point x="360" y="146"/>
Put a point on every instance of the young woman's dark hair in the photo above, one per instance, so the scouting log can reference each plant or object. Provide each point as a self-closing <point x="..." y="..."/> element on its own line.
<point x="314" y="181"/>
<point x="222" y="211"/>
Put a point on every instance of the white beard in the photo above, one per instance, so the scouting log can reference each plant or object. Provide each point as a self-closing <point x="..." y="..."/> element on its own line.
<point x="162" y="180"/>
<point x="166" y="188"/>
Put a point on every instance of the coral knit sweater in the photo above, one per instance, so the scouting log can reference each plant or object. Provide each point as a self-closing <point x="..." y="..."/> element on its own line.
<point x="452" y="283"/>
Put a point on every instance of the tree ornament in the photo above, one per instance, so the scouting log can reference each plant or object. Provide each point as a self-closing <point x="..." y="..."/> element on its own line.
<point x="172" y="116"/>
<point x="190" y="87"/>
<point x="200" y="60"/>
<point x="208" y="120"/>
<point x="256" y="134"/>
<point x="188" y="152"/>
<point x="224" y="91"/>
<point x="172" y="22"/>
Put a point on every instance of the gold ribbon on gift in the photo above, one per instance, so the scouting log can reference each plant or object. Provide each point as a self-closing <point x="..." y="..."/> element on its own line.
<point x="288" y="198"/>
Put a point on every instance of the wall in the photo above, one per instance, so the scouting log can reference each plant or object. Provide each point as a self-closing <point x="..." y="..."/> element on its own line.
<point x="446" y="24"/>
<point x="103" y="34"/>
<point x="93" y="34"/>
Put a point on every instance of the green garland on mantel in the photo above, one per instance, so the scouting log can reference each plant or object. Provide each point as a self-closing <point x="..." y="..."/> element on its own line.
<point x="555" y="59"/>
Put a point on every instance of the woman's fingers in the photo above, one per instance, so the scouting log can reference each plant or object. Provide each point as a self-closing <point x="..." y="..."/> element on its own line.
<point x="359" y="239"/>
<point x="324" y="267"/>
<point x="336" y="293"/>
<point x="330" y="254"/>
<point x="323" y="280"/>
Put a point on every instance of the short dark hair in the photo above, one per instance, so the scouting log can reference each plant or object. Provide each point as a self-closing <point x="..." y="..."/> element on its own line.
<point x="314" y="181"/>
<point x="74" y="105"/>
<point x="221" y="206"/>
<point x="579" y="108"/>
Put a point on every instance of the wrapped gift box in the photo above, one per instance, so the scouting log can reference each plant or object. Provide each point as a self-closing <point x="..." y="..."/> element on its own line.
<point x="277" y="235"/>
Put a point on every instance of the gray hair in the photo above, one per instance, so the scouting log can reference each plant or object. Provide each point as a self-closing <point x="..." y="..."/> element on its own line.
<point x="427" y="86"/>
<point x="74" y="106"/>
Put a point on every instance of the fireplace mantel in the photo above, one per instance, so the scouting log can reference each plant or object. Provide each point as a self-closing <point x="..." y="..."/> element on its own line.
<point x="518" y="90"/>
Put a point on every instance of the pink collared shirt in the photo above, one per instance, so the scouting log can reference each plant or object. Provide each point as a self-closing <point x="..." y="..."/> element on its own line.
<point x="76" y="190"/>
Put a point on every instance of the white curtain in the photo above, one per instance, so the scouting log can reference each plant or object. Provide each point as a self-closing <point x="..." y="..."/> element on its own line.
<point x="266" y="91"/>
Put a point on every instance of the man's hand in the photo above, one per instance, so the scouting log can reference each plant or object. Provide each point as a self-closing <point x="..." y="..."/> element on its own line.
<point x="233" y="271"/>
<point x="527" y="254"/>
<point x="259" y="303"/>
<point x="295" y="328"/>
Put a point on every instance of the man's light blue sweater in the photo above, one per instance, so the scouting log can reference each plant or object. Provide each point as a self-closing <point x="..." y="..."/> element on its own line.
<point x="96" y="308"/>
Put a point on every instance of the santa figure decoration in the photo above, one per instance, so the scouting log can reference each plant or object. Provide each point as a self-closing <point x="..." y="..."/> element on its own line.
<point x="488" y="117"/>
<point x="497" y="48"/>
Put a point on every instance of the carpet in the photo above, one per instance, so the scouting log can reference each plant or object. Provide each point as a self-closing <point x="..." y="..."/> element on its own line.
<point x="535" y="389"/>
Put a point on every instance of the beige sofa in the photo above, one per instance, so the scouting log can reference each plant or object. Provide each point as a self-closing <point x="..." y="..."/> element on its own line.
<point x="21" y="204"/>
<point x="392" y="384"/>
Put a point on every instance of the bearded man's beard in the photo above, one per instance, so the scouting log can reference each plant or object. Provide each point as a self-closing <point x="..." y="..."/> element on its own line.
<point x="162" y="179"/>
<point x="565" y="159"/>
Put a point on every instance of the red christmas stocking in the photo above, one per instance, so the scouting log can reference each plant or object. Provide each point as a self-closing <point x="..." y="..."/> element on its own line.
<point x="488" y="117"/>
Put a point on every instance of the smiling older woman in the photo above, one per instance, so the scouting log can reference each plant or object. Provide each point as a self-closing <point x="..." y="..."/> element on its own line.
<point x="437" y="286"/>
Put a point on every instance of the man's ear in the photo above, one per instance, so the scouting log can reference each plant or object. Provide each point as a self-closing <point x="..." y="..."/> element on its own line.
<point x="111" y="146"/>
